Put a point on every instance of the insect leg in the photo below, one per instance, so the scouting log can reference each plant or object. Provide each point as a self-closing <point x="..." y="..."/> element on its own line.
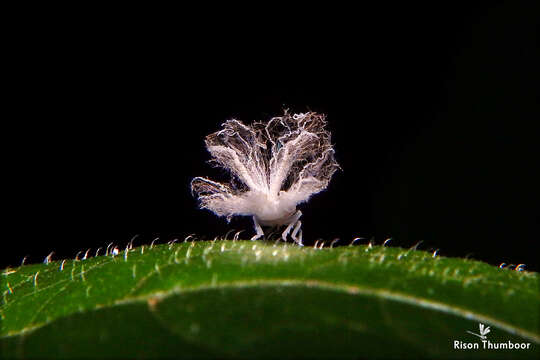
<point x="294" y="219"/>
<point x="258" y="229"/>
<point x="298" y="239"/>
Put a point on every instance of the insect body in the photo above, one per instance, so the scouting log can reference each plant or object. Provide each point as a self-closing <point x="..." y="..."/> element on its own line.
<point x="275" y="166"/>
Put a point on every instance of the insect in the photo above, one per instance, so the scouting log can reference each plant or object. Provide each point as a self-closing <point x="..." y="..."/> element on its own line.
<point x="274" y="165"/>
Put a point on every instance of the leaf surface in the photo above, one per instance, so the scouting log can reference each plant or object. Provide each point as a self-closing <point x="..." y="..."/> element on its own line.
<point x="260" y="299"/>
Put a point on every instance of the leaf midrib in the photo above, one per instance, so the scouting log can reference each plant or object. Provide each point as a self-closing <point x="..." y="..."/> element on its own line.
<point x="323" y="285"/>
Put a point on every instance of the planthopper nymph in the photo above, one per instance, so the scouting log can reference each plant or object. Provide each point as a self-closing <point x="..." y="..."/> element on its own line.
<point x="274" y="165"/>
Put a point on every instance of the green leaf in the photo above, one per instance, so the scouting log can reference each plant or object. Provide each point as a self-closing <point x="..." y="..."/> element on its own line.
<point x="260" y="299"/>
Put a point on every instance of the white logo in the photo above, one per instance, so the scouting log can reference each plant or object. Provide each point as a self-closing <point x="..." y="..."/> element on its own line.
<point x="486" y="344"/>
<point x="483" y="331"/>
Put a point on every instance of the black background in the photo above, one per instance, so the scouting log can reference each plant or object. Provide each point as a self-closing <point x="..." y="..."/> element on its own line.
<point x="433" y="112"/>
